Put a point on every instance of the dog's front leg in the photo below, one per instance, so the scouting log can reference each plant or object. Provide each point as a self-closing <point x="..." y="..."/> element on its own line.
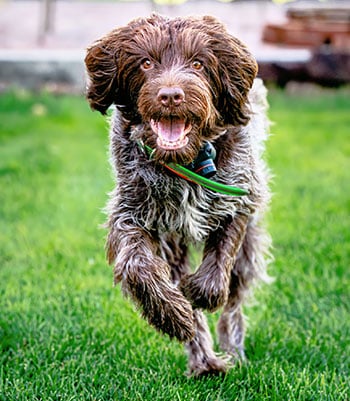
<point x="208" y="287"/>
<point x="146" y="278"/>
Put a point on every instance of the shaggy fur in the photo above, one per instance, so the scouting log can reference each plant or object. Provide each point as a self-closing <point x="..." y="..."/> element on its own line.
<point x="177" y="83"/>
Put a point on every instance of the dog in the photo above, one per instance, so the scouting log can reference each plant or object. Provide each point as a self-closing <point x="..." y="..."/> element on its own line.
<point x="179" y="85"/>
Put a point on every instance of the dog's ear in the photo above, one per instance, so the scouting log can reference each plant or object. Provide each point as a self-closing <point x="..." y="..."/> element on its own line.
<point x="238" y="69"/>
<point x="235" y="74"/>
<point x="112" y="66"/>
<point x="101" y="67"/>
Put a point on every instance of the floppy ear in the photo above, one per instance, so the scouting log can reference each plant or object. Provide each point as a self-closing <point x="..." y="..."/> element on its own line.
<point x="235" y="73"/>
<point x="238" y="69"/>
<point x="101" y="67"/>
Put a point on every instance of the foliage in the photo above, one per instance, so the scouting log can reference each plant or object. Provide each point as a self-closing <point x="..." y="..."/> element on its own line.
<point x="67" y="334"/>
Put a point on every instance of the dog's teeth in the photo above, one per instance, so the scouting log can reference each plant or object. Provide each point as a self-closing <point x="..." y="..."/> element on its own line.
<point x="172" y="145"/>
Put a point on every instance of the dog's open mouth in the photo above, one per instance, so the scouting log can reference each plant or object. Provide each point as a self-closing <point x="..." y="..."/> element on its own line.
<point x="171" y="132"/>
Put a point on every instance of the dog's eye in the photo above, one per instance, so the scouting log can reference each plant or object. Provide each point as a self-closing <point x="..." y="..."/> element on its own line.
<point x="197" y="65"/>
<point x="146" y="64"/>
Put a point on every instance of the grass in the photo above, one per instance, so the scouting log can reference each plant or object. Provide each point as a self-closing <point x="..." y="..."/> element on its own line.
<point x="67" y="334"/>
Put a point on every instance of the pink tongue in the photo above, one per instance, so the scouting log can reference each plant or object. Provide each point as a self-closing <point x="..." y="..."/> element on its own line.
<point x="171" y="129"/>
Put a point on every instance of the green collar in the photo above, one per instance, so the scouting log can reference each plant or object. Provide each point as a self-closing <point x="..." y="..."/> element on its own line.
<point x="191" y="176"/>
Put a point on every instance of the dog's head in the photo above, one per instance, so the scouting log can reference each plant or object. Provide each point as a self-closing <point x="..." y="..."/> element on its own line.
<point x="182" y="79"/>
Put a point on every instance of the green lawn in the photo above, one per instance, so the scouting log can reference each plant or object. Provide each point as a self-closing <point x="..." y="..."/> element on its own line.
<point x="67" y="334"/>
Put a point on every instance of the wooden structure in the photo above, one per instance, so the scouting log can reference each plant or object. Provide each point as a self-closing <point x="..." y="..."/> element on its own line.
<point x="313" y="27"/>
<point x="325" y="31"/>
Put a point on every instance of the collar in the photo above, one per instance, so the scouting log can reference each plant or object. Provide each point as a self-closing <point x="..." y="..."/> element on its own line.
<point x="186" y="174"/>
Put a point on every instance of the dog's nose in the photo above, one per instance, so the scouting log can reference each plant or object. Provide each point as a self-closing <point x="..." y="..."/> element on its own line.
<point x="171" y="96"/>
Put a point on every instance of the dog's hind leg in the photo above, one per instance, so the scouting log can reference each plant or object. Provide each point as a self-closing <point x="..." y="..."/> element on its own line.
<point x="231" y="332"/>
<point x="249" y="265"/>
<point x="202" y="359"/>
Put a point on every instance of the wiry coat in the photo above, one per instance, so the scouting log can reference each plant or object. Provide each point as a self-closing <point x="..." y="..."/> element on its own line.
<point x="211" y="94"/>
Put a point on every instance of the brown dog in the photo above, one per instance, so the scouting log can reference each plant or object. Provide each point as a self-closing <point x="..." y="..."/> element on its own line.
<point x="179" y="84"/>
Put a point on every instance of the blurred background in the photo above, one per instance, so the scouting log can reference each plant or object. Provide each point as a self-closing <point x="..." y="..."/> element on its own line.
<point x="42" y="43"/>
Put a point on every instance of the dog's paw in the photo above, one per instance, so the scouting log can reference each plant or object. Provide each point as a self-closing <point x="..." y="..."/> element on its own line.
<point x="205" y="292"/>
<point x="208" y="367"/>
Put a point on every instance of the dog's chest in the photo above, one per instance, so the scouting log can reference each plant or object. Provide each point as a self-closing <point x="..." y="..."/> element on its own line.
<point x="187" y="212"/>
<point x="176" y="206"/>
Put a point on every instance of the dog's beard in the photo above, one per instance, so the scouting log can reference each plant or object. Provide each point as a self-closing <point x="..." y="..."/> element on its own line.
<point x="183" y="156"/>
